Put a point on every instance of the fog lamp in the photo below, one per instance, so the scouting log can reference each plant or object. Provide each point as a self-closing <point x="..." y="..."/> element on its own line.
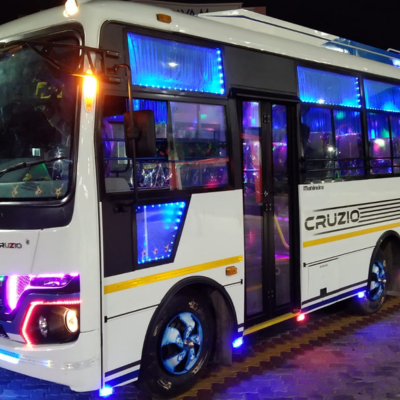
<point x="71" y="321"/>
<point x="51" y="322"/>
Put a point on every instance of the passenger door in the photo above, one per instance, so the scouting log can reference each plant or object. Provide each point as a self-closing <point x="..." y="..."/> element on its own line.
<point x="269" y="277"/>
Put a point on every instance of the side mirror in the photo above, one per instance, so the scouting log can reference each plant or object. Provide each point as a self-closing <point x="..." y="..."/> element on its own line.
<point x="144" y="133"/>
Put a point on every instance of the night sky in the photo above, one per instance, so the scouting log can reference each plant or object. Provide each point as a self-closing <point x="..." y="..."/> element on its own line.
<point x="376" y="23"/>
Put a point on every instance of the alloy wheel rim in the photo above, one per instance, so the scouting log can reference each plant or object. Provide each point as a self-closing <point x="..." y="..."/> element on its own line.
<point x="181" y="343"/>
<point x="378" y="281"/>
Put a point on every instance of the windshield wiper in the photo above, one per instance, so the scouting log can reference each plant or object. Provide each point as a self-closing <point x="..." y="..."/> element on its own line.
<point x="22" y="165"/>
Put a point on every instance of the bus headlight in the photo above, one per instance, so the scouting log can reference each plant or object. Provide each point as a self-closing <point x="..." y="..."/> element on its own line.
<point x="51" y="322"/>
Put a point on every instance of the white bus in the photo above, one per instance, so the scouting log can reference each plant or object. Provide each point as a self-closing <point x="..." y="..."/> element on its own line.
<point x="169" y="184"/>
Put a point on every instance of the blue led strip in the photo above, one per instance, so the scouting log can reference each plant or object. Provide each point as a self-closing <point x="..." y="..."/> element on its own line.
<point x="328" y="88"/>
<point x="169" y="65"/>
<point x="9" y="356"/>
<point x="157" y="229"/>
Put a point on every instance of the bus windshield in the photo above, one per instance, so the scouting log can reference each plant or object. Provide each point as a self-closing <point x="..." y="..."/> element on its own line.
<point x="37" y="108"/>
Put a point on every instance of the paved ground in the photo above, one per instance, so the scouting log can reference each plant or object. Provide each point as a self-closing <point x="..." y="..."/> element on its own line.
<point x="335" y="356"/>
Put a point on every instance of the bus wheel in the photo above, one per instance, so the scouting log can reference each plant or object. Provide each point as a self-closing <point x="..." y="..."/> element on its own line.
<point x="376" y="292"/>
<point x="178" y="347"/>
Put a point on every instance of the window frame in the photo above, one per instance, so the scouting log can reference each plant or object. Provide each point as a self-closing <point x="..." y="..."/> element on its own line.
<point x="157" y="34"/>
<point x="162" y="193"/>
<point x="55" y="212"/>
<point x="336" y="159"/>
<point x="364" y="125"/>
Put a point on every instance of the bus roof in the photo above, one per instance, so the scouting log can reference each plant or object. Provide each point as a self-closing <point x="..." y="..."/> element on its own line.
<point x="239" y="27"/>
<point x="275" y="27"/>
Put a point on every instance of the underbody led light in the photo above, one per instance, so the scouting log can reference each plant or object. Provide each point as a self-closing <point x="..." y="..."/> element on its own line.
<point x="106" y="391"/>
<point x="301" y="317"/>
<point x="237" y="343"/>
<point x="9" y="356"/>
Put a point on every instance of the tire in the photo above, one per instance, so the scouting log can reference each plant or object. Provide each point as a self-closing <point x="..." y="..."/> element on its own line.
<point x="178" y="346"/>
<point x="376" y="292"/>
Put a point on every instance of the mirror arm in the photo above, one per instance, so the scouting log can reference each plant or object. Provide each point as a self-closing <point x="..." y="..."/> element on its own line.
<point x="134" y="133"/>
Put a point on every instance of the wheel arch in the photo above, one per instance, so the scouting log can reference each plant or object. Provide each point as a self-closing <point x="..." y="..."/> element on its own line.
<point x="222" y="306"/>
<point x="389" y="243"/>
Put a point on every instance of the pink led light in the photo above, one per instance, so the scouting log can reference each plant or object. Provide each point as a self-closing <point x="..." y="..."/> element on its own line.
<point x="17" y="284"/>
<point x="11" y="293"/>
<point x="32" y="306"/>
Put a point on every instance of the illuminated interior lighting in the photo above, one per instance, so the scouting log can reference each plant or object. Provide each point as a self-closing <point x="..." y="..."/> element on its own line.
<point x="89" y="90"/>
<point x="237" y="343"/>
<point x="361" y="295"/>
<point x="300" y="317"/>
<point x="380" y="142"/>
<point x="32" y="306"/>
<point x="314" y="88"/>
<point x="157" y="244"/>
<point x="106" y="391"/>
<point x="71" y="8"/>
<point x="201" y="68"/>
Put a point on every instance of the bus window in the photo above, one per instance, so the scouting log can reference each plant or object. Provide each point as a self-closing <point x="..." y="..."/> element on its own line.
<point x="318" y="142"/>
<point x="191" y="153"/>
<point x="395" y="133"/>
<point x="37" y="107"/>
<point x="379" y="143"/>
<point x="197" y="146"/>
<point x="349" y="143"/>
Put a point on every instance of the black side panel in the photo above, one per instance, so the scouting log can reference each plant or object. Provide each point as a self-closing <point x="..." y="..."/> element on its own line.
<point x="25" y="216"/>
<point x="118" y="239"/>
<point x="265" y="72"/>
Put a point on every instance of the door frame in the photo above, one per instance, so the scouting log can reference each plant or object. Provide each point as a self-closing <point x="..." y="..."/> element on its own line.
<point x="270" y="310"/>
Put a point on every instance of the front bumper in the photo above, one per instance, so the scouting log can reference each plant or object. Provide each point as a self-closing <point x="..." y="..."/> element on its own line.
<point x="76" y="364"/>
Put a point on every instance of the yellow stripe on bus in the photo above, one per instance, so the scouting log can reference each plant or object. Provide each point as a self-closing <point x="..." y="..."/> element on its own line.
<point x="268" y="323"/>
<point x="349" y="235"/>
<point x="116" y="287"/>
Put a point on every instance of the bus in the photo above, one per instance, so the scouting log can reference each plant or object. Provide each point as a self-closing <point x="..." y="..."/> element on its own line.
<point x="170" y="184"/>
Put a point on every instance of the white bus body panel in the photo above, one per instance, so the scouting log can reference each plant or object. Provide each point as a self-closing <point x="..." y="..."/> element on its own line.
<point x="74" y="248"/>
<point x="213" y="231"/>
<point x="337" y="258"/>
<point x="76" y="365"/>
